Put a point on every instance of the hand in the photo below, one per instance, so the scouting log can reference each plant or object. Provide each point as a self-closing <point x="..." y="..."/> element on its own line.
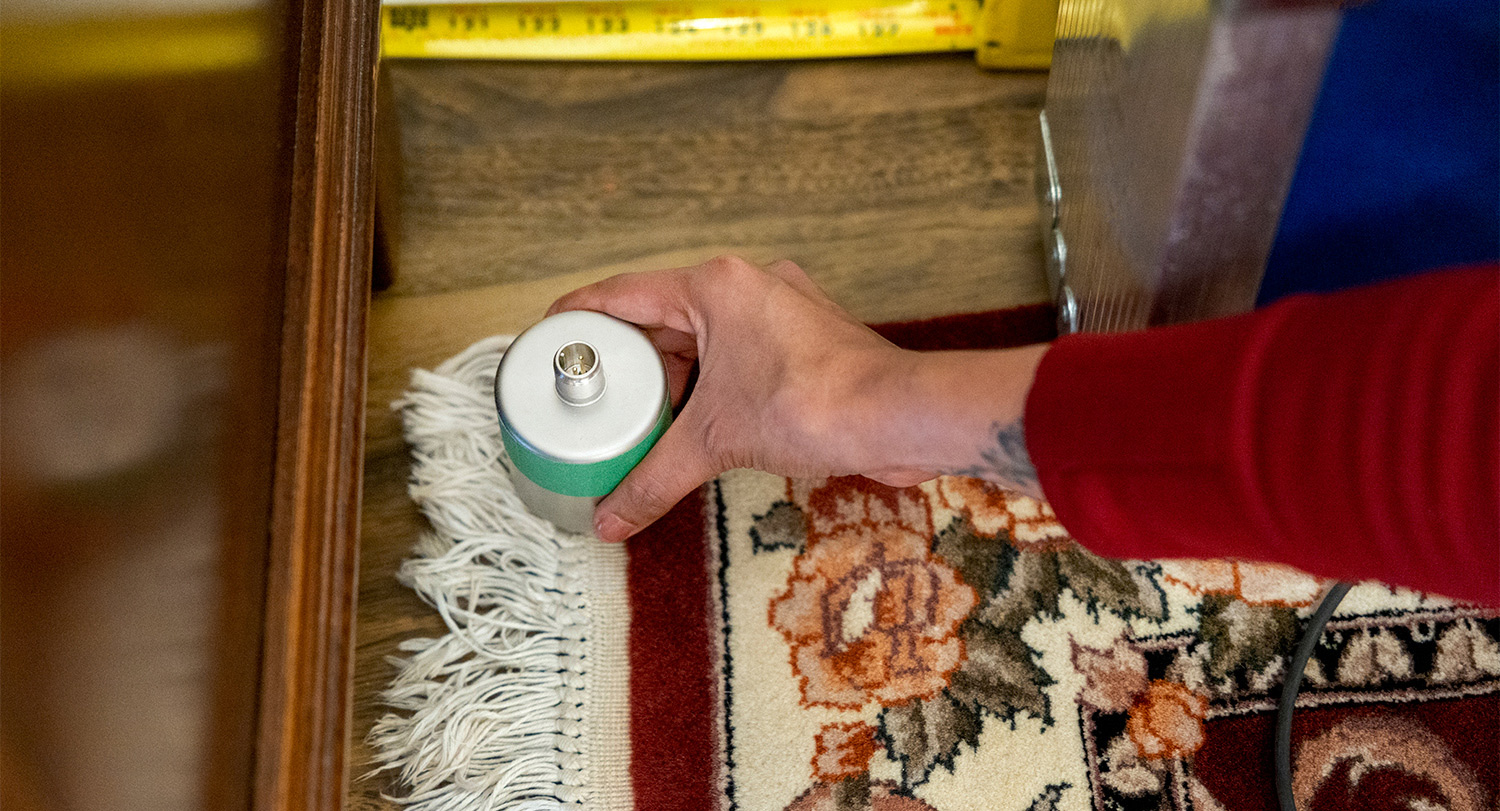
<point x="790" y="383"/>
<point x="778" y="364"/>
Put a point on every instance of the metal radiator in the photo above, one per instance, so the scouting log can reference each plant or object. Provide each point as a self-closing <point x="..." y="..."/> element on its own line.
<point x="1168" y="141"/>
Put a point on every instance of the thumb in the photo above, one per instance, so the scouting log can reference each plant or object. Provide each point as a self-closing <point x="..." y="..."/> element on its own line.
<point x="671" y="470"/>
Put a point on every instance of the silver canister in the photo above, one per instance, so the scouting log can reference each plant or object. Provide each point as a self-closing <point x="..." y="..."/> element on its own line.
<point x="582" y="397"/>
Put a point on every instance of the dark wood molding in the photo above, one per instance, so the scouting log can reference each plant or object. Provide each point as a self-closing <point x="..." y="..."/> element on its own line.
<point x="306" y="669"/>
<point x="389" y="184"/>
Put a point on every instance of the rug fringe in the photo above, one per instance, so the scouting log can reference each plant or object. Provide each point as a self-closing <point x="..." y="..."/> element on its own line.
<point x="490" y="716"/>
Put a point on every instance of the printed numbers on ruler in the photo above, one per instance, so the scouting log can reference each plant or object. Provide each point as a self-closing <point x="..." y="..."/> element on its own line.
<point x="672" y="29"/>
<point x="606" y="21"/>
<point x="538" y="22"/>
<point x="729" y="25"/>
<point x="407" y="18"/>
<point x="811" y="28"/>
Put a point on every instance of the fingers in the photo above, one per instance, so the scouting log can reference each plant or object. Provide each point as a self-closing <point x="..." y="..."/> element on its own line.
<point x="665" y="298"/>
<point x="679" y="375"/>
<point x="672" y="342"/>
<point x="797" y="278"/>
<point x="658" y="299"/>
<point x="672" y="469"/>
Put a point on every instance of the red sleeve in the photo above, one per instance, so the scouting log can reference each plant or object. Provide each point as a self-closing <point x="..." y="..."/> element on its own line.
<point x="1354" y="435"/>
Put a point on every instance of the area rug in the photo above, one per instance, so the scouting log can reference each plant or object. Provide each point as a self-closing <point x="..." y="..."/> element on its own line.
<point x="838" y="645"/>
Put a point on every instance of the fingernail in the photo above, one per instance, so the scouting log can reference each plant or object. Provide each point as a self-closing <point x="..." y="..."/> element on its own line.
<point x="611" y="528"/>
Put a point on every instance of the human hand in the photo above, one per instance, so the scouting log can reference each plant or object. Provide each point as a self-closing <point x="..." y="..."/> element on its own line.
<point x="779" y="367"/>
<point x="790" y="383"/>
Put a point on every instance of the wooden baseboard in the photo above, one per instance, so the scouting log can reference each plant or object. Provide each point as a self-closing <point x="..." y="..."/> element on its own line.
<point x="306" y="669"/>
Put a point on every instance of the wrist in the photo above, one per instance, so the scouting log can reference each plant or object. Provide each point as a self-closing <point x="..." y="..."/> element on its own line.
<point x="954" y="412"/>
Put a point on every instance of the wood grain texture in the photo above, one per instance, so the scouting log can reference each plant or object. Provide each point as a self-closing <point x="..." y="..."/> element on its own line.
<point x="307" y="666"/>
<point x="903" y="187"/>
<point x="900" y="170"/>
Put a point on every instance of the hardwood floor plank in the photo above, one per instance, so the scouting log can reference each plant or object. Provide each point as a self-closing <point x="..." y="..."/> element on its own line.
<point x="901" y="166"/>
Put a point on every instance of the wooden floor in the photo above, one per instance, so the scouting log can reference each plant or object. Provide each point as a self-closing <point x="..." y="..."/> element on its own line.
<point x="902" y="185"/>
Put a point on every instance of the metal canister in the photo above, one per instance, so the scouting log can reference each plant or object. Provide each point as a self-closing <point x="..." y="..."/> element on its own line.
<point x="582" y="397"/>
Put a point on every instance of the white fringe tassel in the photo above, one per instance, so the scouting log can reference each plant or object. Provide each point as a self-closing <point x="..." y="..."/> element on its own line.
<point x="490" y="716"/>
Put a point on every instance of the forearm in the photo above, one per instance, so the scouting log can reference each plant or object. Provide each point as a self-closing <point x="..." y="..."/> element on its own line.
<point x="1352" y="435"/>
<point x="958" y="413"/>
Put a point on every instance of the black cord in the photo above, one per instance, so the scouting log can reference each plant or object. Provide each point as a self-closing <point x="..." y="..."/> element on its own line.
<point x="1293" y="685"/>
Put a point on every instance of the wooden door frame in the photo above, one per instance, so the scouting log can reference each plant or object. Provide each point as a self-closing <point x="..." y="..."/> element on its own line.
<point x="312" y="578"/>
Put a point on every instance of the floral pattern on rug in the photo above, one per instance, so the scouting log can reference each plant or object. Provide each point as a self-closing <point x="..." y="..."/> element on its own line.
<point x="870" y="613"/>
<point x="950" y="647"/>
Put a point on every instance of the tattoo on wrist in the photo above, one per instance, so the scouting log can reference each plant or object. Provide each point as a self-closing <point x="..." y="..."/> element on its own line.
<point x="1006" y="462"/>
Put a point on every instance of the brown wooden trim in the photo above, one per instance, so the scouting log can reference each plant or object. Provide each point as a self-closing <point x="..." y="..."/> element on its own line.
<point x="389" y="182"/>
<point x="301" y="757"/>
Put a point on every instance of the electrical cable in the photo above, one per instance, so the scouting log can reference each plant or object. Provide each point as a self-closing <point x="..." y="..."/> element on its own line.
<point x="1293" y="685"/>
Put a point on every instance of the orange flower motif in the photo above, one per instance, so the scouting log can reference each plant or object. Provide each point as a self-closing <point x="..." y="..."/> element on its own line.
<point x="1030" y="523"/>
<point x="1255" y="583"/>
<point x="1167" y="722"/>
<point x="844" y="750"/>
<point x="870" y="614"/>
<point x="844" y="503"/>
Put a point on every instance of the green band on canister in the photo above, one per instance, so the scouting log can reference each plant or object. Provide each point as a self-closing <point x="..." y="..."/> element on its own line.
<point x="590" y="480"/>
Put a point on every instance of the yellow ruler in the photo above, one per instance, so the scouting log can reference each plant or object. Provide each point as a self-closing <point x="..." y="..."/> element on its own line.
<point x="643" y="30"/>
